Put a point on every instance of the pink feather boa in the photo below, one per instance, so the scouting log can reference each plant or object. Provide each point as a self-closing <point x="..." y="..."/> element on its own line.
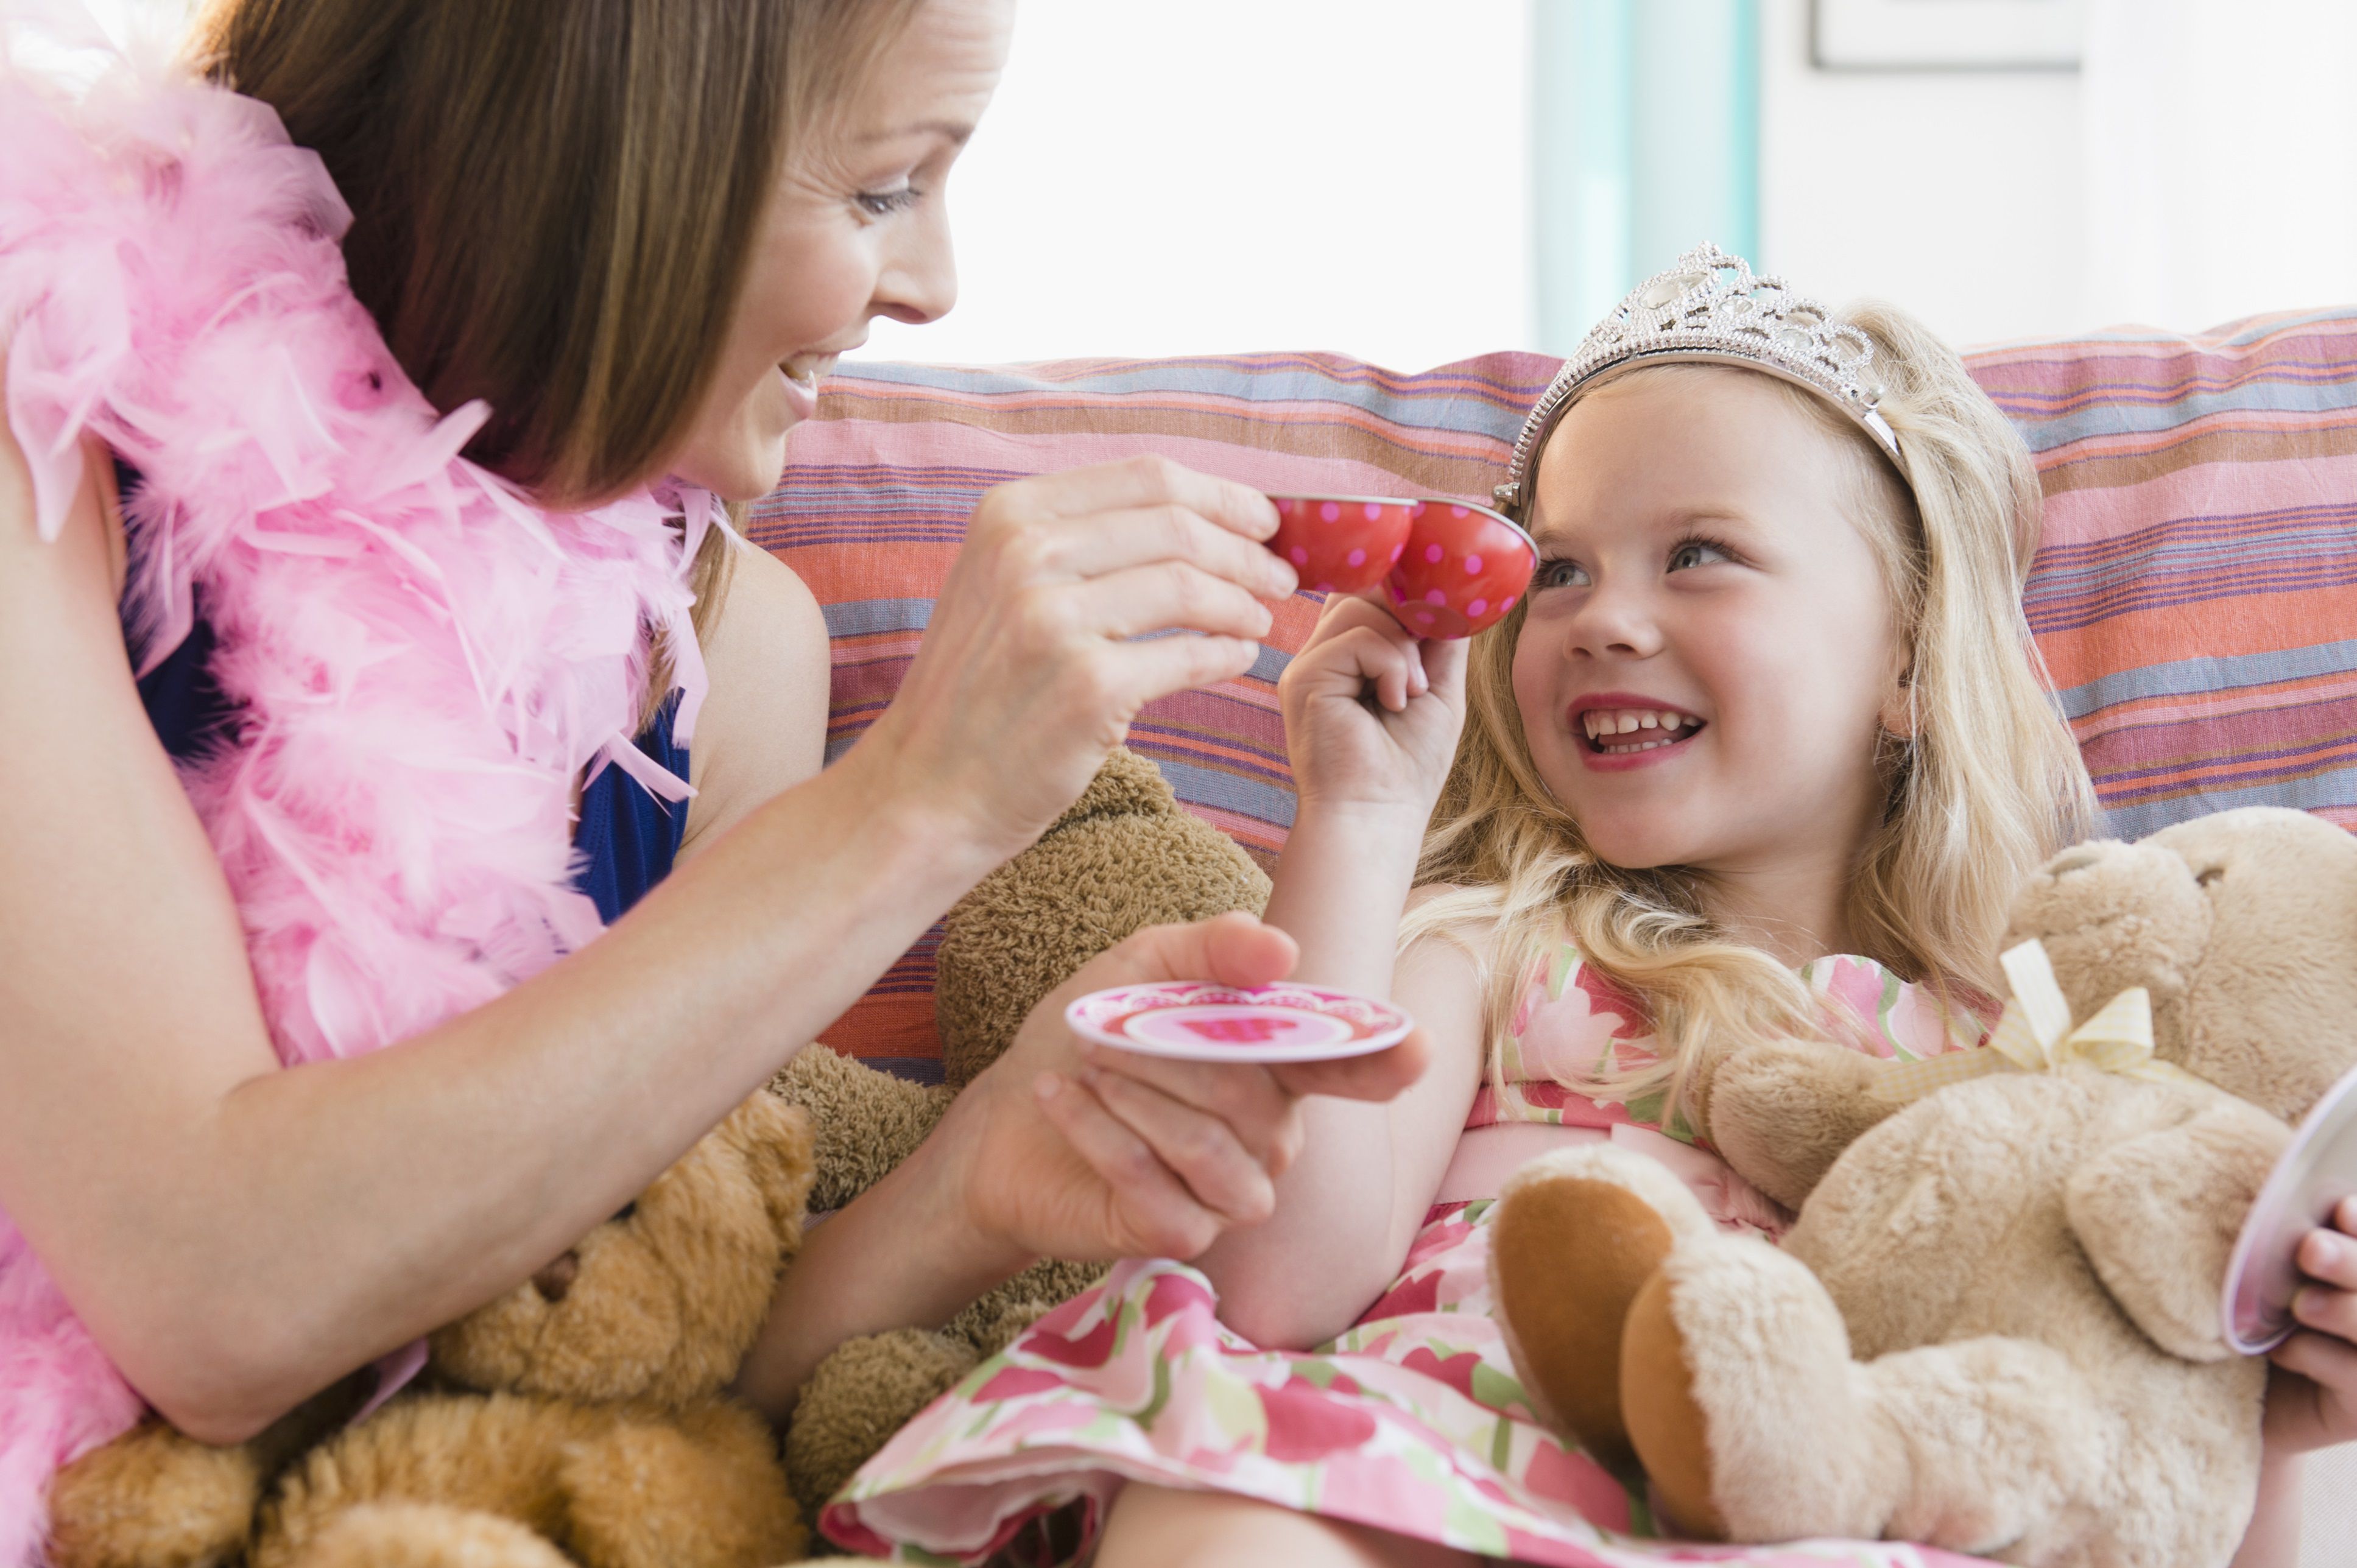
<point x="425" y="663"/>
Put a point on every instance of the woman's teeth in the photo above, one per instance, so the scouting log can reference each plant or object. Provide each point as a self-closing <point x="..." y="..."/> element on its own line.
<point x="1606" y="725"/>
<point x="805" y="369"/>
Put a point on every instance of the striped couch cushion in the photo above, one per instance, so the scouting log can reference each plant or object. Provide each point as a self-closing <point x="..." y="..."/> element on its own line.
<point x="2196" y="592"/>
<point x="2196" y="597"/>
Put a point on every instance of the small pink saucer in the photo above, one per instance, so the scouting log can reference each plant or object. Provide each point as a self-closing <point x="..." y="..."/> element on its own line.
<point x="1197" y="1021"/>
<point x="2315" y="1174"/>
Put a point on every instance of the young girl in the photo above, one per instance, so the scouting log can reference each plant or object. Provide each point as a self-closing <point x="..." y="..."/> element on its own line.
<point x="1764" y="751"/>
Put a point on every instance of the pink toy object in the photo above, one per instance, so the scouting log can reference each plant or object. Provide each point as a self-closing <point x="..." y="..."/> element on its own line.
<point x="1199" y="1021"/>
<point x="423" y="663"/>
<point x="1450" y="568"/>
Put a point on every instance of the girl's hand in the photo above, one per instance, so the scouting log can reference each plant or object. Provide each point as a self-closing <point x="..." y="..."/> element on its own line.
<point x="2312" y="1396"/>
<point x="1028" y="675"/>
<point x="1067" y="1151"/>
<point x="1371" y="713"/>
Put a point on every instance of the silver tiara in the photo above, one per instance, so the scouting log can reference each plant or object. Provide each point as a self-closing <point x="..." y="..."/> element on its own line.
<point x="1709" y="308"/>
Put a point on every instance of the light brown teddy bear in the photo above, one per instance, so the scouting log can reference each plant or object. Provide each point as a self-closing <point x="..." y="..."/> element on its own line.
<point x="1125" y="855"/>
<point x="1994" y="1328"/>
<point x="577" y="1419"/>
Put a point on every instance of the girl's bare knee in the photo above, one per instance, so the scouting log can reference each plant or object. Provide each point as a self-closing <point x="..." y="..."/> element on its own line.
<point x="1161" y="1527"/>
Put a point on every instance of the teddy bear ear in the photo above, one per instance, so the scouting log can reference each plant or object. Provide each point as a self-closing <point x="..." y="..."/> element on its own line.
<point x="1125" y="785"/>
<point x="774" y="1138"/>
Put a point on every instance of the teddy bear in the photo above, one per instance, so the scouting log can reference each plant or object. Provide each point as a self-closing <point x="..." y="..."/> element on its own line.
<point x="577" y="1419"/>
<point x="1125" y="855"/>
<point x="1995" y="1326"/>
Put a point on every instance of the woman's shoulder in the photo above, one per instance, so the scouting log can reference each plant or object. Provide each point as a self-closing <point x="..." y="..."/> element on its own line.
<point x="763" y="727"/>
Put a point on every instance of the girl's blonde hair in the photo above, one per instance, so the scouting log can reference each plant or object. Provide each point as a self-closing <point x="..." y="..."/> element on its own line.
<point x="1988" y="785"/>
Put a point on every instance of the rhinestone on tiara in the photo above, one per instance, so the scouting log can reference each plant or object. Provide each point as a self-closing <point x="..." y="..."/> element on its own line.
<point x="1709" y="308"/>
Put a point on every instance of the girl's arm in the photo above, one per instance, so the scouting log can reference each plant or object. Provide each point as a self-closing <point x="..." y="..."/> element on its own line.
<point x="1368" y="772"/>
<point x="185" y="1191"/>
<point x="2312" y="1394"/>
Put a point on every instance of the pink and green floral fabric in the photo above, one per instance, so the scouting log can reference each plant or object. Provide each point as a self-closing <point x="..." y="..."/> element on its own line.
<point x="1413" y="1421"/>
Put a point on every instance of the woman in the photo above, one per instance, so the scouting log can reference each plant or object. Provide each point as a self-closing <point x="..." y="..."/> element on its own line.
<point x="639" y="234"/>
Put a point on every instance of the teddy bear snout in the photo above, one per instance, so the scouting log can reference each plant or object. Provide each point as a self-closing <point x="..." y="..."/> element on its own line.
<point x="554" y="1282"/>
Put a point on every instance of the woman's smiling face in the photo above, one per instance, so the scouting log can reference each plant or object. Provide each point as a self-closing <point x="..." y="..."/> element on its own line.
<point x="1707" y="661"/>
<point x="857" y="229"/>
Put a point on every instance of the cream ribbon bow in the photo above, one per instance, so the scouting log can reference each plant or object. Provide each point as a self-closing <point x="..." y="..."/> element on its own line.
<point x="2035" y="1035"/>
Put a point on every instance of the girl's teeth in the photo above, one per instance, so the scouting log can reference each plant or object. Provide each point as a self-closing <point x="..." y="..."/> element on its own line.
<point x="1602" y="724"/>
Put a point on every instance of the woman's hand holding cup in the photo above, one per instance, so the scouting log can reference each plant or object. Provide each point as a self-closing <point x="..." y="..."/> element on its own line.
<point x="1029" y="674"/>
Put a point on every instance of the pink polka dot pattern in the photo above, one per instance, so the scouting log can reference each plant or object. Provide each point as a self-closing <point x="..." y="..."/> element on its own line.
<point x="1339" y="543"/>
<point x="1450" y="568"/>
<point x="1464" y="569"/>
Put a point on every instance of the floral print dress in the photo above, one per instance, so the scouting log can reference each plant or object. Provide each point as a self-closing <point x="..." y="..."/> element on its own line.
<point x="1413" y="1421"/>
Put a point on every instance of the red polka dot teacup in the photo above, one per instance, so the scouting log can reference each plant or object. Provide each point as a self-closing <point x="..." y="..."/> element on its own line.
<point x="1464" y="567"/>
<point x="1448" y="568"/>
<point x="1340" y="544"/>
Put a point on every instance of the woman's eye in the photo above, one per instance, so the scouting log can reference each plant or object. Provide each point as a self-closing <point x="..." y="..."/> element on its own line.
<point x="884" y="203"/>
<point x="1696" y="552"/>
<point x="1559" y="575"/>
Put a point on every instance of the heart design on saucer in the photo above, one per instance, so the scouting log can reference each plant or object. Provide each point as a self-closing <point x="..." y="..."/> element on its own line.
<point x="1450" y="568"/>
<point x="1199" y="1021"/>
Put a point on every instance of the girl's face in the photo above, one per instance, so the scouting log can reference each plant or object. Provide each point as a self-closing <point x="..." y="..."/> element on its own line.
<point x="1708" y="657"/>
<point x="857" y="229"/>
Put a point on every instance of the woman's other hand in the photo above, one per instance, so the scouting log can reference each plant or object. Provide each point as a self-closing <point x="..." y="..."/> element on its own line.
<point x="1371" y="713"/>
<point x="1072" y="1150"/>
<point x="2312" y="1399"/>
<point x="1031" y="670"/>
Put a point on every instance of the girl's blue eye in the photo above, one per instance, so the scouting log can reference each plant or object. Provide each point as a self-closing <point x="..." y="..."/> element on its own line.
<point x="1559" y="573"/>
<point x="884" y="203"/>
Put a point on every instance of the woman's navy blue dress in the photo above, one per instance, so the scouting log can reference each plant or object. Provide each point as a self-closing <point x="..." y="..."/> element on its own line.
<point x="629" y="836"/>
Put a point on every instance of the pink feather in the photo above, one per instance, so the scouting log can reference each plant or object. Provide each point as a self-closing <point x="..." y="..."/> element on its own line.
<point x="425" y="663"/>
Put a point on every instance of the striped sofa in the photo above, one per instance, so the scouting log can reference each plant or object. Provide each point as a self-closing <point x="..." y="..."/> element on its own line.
<point x="2195" y="596"/>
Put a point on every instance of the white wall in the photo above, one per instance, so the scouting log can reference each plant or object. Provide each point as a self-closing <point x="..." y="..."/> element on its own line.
<point x="1956" y="195"/>
<point x="1228" y="175"/>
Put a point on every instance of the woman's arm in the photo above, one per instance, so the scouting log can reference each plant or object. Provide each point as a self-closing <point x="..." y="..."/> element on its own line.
<point x="183" y="1190"/>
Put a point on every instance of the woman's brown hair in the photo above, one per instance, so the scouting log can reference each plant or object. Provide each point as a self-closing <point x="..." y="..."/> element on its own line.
<point x="554" y="206"/>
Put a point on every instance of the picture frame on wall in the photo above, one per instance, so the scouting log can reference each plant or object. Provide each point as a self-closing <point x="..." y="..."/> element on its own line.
<point x="1946" y="34"/>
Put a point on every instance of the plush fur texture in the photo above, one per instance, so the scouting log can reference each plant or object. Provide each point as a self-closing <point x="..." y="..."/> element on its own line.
<point x="577" y="1419"/>
<point x="1995" y="1326"/>
<point x="423" y="663"/>
<point x="1125" y="855"/>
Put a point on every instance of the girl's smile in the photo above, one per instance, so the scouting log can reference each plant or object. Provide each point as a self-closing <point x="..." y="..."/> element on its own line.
<point x="1625" y="730"/>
